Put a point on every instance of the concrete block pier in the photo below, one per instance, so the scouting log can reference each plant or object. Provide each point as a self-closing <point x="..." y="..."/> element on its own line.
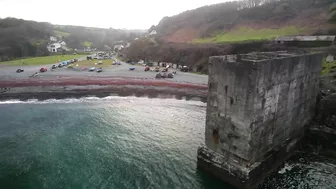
<point x="257" y="106"/>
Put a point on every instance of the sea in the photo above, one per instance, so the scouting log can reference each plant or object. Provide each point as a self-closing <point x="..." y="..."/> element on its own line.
<point x="122" y="143"/>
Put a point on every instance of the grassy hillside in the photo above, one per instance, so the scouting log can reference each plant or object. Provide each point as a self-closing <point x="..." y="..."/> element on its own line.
<point x="248" y="34"/>
<point x="41" y="60"/>
<point x="80" y="36"/>
<point x="228" y="22"/>
<point x="87" y="44"/>
<point x="61" y="34"/>
<point x="22" y="38"/>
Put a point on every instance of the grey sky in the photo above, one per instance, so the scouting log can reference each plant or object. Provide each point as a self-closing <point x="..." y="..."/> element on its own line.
<point x="130" y="14"/>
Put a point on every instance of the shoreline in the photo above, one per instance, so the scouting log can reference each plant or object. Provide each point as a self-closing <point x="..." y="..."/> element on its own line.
<point x="43" y="89"/>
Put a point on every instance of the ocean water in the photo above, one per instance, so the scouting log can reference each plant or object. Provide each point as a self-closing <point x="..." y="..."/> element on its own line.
<point x="121" y="143"/>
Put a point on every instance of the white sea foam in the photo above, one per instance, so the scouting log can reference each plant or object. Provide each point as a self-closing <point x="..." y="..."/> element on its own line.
<point x="286" y="168"/>
<point x="11" y="102"/>
<point x="89" y="99"/>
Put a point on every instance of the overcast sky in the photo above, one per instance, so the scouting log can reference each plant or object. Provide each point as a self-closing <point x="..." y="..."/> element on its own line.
<point x="130" y="14"/>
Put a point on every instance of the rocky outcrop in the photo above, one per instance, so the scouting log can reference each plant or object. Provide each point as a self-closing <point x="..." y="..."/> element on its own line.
<point x="321" y="134"/>
<point x="326" y="109"/>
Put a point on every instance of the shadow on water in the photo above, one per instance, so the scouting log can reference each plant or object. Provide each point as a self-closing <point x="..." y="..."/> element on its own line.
<point x="210" y="182"/>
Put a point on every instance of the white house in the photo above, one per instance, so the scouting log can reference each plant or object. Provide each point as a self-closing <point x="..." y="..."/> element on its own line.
<point x="54" y="47"/>
<point x="87" y="49"/>
<point x="118" y="47"/>
<point x="153" y="32"/>
<point x="52" y="38"/>
<point x="62" y="43"/>
<point x="57" y="47"/>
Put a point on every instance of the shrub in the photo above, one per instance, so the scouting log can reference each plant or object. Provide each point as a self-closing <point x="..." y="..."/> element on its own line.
<point x="332" y="8"/>
<point x="332" y="16"/>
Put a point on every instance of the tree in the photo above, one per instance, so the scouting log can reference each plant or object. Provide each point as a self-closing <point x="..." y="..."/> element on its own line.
<point x="332" y="16"/>
<point x="21" y="38"/>
<point x="332" y="8"/>
<point x="332" y="12"/>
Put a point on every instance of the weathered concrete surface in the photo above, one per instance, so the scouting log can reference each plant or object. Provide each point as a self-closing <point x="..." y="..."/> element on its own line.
<point x="257" y="106"/>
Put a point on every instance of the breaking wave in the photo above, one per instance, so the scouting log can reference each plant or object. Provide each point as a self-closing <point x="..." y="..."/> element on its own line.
<point x="92" y="99"/>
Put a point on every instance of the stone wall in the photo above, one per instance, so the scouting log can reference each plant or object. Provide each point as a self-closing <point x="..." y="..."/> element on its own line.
<point x="258" y="102"/>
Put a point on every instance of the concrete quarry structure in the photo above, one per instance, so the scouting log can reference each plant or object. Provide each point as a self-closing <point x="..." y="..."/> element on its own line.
<point x="257" y="107"/>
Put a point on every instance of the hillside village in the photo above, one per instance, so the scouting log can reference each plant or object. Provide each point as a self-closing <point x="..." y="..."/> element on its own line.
<point x="190" y="37"/>
<point x="56" y="45"/>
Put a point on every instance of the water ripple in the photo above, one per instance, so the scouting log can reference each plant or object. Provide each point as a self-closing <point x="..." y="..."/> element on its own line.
<point x="119" y="142"/>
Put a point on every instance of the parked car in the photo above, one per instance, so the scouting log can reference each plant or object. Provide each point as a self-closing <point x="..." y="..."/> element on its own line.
<point x="99" y="70"/>
<point x="131" y="68"/>
<point x="157" y="69"/>
<point x="92" y="69"/>
<point x="107" y="57"/>
<point x="184" y="69"/>
<point x="75" y="60"/>
<point x="60" y="65"/>
<point x="170" y="75"/>
<point x="161" y="75"/>
<point x="19" y="70"/>
<point x="34" y="75"/>
<point x="53" y="67"/>
<point x="100" y="58"/>
<point x="43" y="69"/>
<point x="147" y="68"/>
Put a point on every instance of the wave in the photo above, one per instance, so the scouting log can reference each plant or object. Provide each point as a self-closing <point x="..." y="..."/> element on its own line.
<point x="95" y="99"/>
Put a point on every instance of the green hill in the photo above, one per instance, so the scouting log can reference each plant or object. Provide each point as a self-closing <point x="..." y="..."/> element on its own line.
<point x="23" y="38"/>
<point x="248" y="20"/>
<point x="80" y="36"/>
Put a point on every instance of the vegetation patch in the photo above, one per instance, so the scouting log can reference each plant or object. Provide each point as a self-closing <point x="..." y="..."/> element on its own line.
<point x="61" y="34"/>
<point x="41" y="60"/>
<point x="87" y="44"/>
<point x="328" y="67"/>
<point x="249" y="34"/>
<point x="94" y="63"/>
